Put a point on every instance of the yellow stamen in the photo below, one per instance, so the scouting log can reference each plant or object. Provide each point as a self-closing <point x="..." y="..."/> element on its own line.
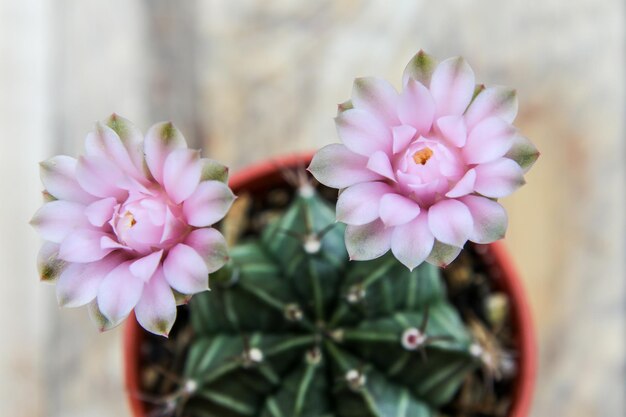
<point x="422" y="156"/>
<point x="130" y="218"/>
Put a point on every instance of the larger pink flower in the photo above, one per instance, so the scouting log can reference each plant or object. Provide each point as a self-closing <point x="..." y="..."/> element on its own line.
<point x="127" y="225"/>
<point x="420" y="170"/>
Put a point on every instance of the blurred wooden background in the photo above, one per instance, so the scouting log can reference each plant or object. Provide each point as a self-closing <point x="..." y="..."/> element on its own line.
<point x="249" y="79"/>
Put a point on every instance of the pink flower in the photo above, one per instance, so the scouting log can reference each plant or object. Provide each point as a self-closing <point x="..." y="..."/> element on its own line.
<point x="420" y="171"/>
<point x="127" y="225"/>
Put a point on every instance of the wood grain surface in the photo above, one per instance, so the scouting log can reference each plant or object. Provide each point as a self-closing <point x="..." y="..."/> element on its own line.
<point x="248" y="80"/>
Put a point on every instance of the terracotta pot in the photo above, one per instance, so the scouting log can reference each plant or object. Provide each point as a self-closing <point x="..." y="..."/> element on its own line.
<point x="264" y="176"/>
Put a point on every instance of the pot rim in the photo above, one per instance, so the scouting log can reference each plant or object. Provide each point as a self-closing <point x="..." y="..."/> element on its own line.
<point x="496" y="255"/>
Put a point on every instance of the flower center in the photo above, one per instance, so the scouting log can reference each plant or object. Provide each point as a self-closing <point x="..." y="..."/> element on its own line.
<point x="145" y="222"/>
<point x="422" y="156"/>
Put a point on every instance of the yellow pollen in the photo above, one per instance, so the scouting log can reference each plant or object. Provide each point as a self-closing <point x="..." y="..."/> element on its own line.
<point x="422" y="156"/>
<point x="130" y="218"/>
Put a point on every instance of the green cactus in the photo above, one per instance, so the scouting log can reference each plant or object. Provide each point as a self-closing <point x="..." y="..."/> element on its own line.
<point x="292" y="328"/>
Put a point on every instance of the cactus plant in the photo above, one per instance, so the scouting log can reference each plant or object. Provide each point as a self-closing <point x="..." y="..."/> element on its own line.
<point x="292" y="328"/>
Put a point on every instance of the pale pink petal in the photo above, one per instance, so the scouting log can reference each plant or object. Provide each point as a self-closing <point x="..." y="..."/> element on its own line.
<point x="49" y="265"/>
<point x="359" y="204"/>
<point x="452" y="86"/>
<point x="419" y="68"/>
<point x="498" y="178"/>
<point x="105" y="143"/>
<point x="101" y="211"/>
<point x="396" y="209"/>
<point x="145" y="267"/>
<point x="58" y="175"/>
<point x="185" y="270"/>
<point x="376" y="96"/>
<point x="416" y="107"/>
<point x="464" y="186"/>
<point x="363" y="133"/>
<point x="181" y="173"/>
<point x="156" y="309"/>
<point x="119" y="293"/>
<point x="78" y="284"/>
<point x="498" y="102"/>
<point x="131" y="137"/>
<point x="450" y="221"/>
<point x="368" y="241"/>
<point x="208" y="204"/>
<point x="411" y="243"/>
<point x="380" y="164"/>
<point x="337" y="167"/>
<point x="100" y="177"/>
<point x="488" y="141"/>
<point x="56" y="219"/>
<point x="442" y="254"/>
<point x="453" y="130"/>
<point x="83" y="246"/>
<point x="490" y="219"/>
<point x="210" y="245"/>
<point x="161" y="140"/>
<point x="523" y="152"/>
<point x="402" y="137"/>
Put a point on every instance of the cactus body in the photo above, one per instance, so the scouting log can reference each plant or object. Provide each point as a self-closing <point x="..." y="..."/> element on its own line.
<point x="291" y="328"/>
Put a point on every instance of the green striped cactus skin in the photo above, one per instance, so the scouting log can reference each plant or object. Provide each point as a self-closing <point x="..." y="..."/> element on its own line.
<point x="292" y="328"/>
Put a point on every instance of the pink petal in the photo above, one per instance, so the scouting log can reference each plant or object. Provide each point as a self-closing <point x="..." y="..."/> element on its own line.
<point x="498" y="102"/>
<point x="498" y="178"/>
<point x="402" y="137"/>
<point x="416" y="107"/>
<point x="452" y="86"/>
<point x="173" y="227"/>
<point x="380" y="164"/>
<point x="208" y="204"/>
<point x="56" y="219"/>
<point x="210" y="245"/>
<point x="156" y="309"/>
<point x="100" y="177"/>
<point x="442" y="255"/>
<point x="451" y="222"/>
<point x="488" y="141"/>
<point x="396" y="209"/>
<point x="119" y="293"/>
<point x="376" y="96"/>
<point x="106" y="242"/>
<point x="161" y="140"/>
<point x="83" y="246"/>
<point x="368" y="241"/>
<point x="185" y="270"/>
<point x="359" y="204"/>
<point x="363" y="133"/>
<point x="145" y="267"/>
<point x="58" y="175"/>
<point x="105" y="143"/>
<point x="490" y="219"/>
<point x="411" y="243"/>
<point x="181" y="173"/>
<point x="337" y="167"/>
<point x="453" y="130"/>
<point x="78" y="284"/>
<point x="464" y="186"/>
<point x="101" y="211"/>
<point x="131" y="138"/>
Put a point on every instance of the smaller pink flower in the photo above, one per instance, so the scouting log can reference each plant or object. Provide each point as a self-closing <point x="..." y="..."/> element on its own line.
<point x="128" y="225"/>
<point x="420" y="170"/>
